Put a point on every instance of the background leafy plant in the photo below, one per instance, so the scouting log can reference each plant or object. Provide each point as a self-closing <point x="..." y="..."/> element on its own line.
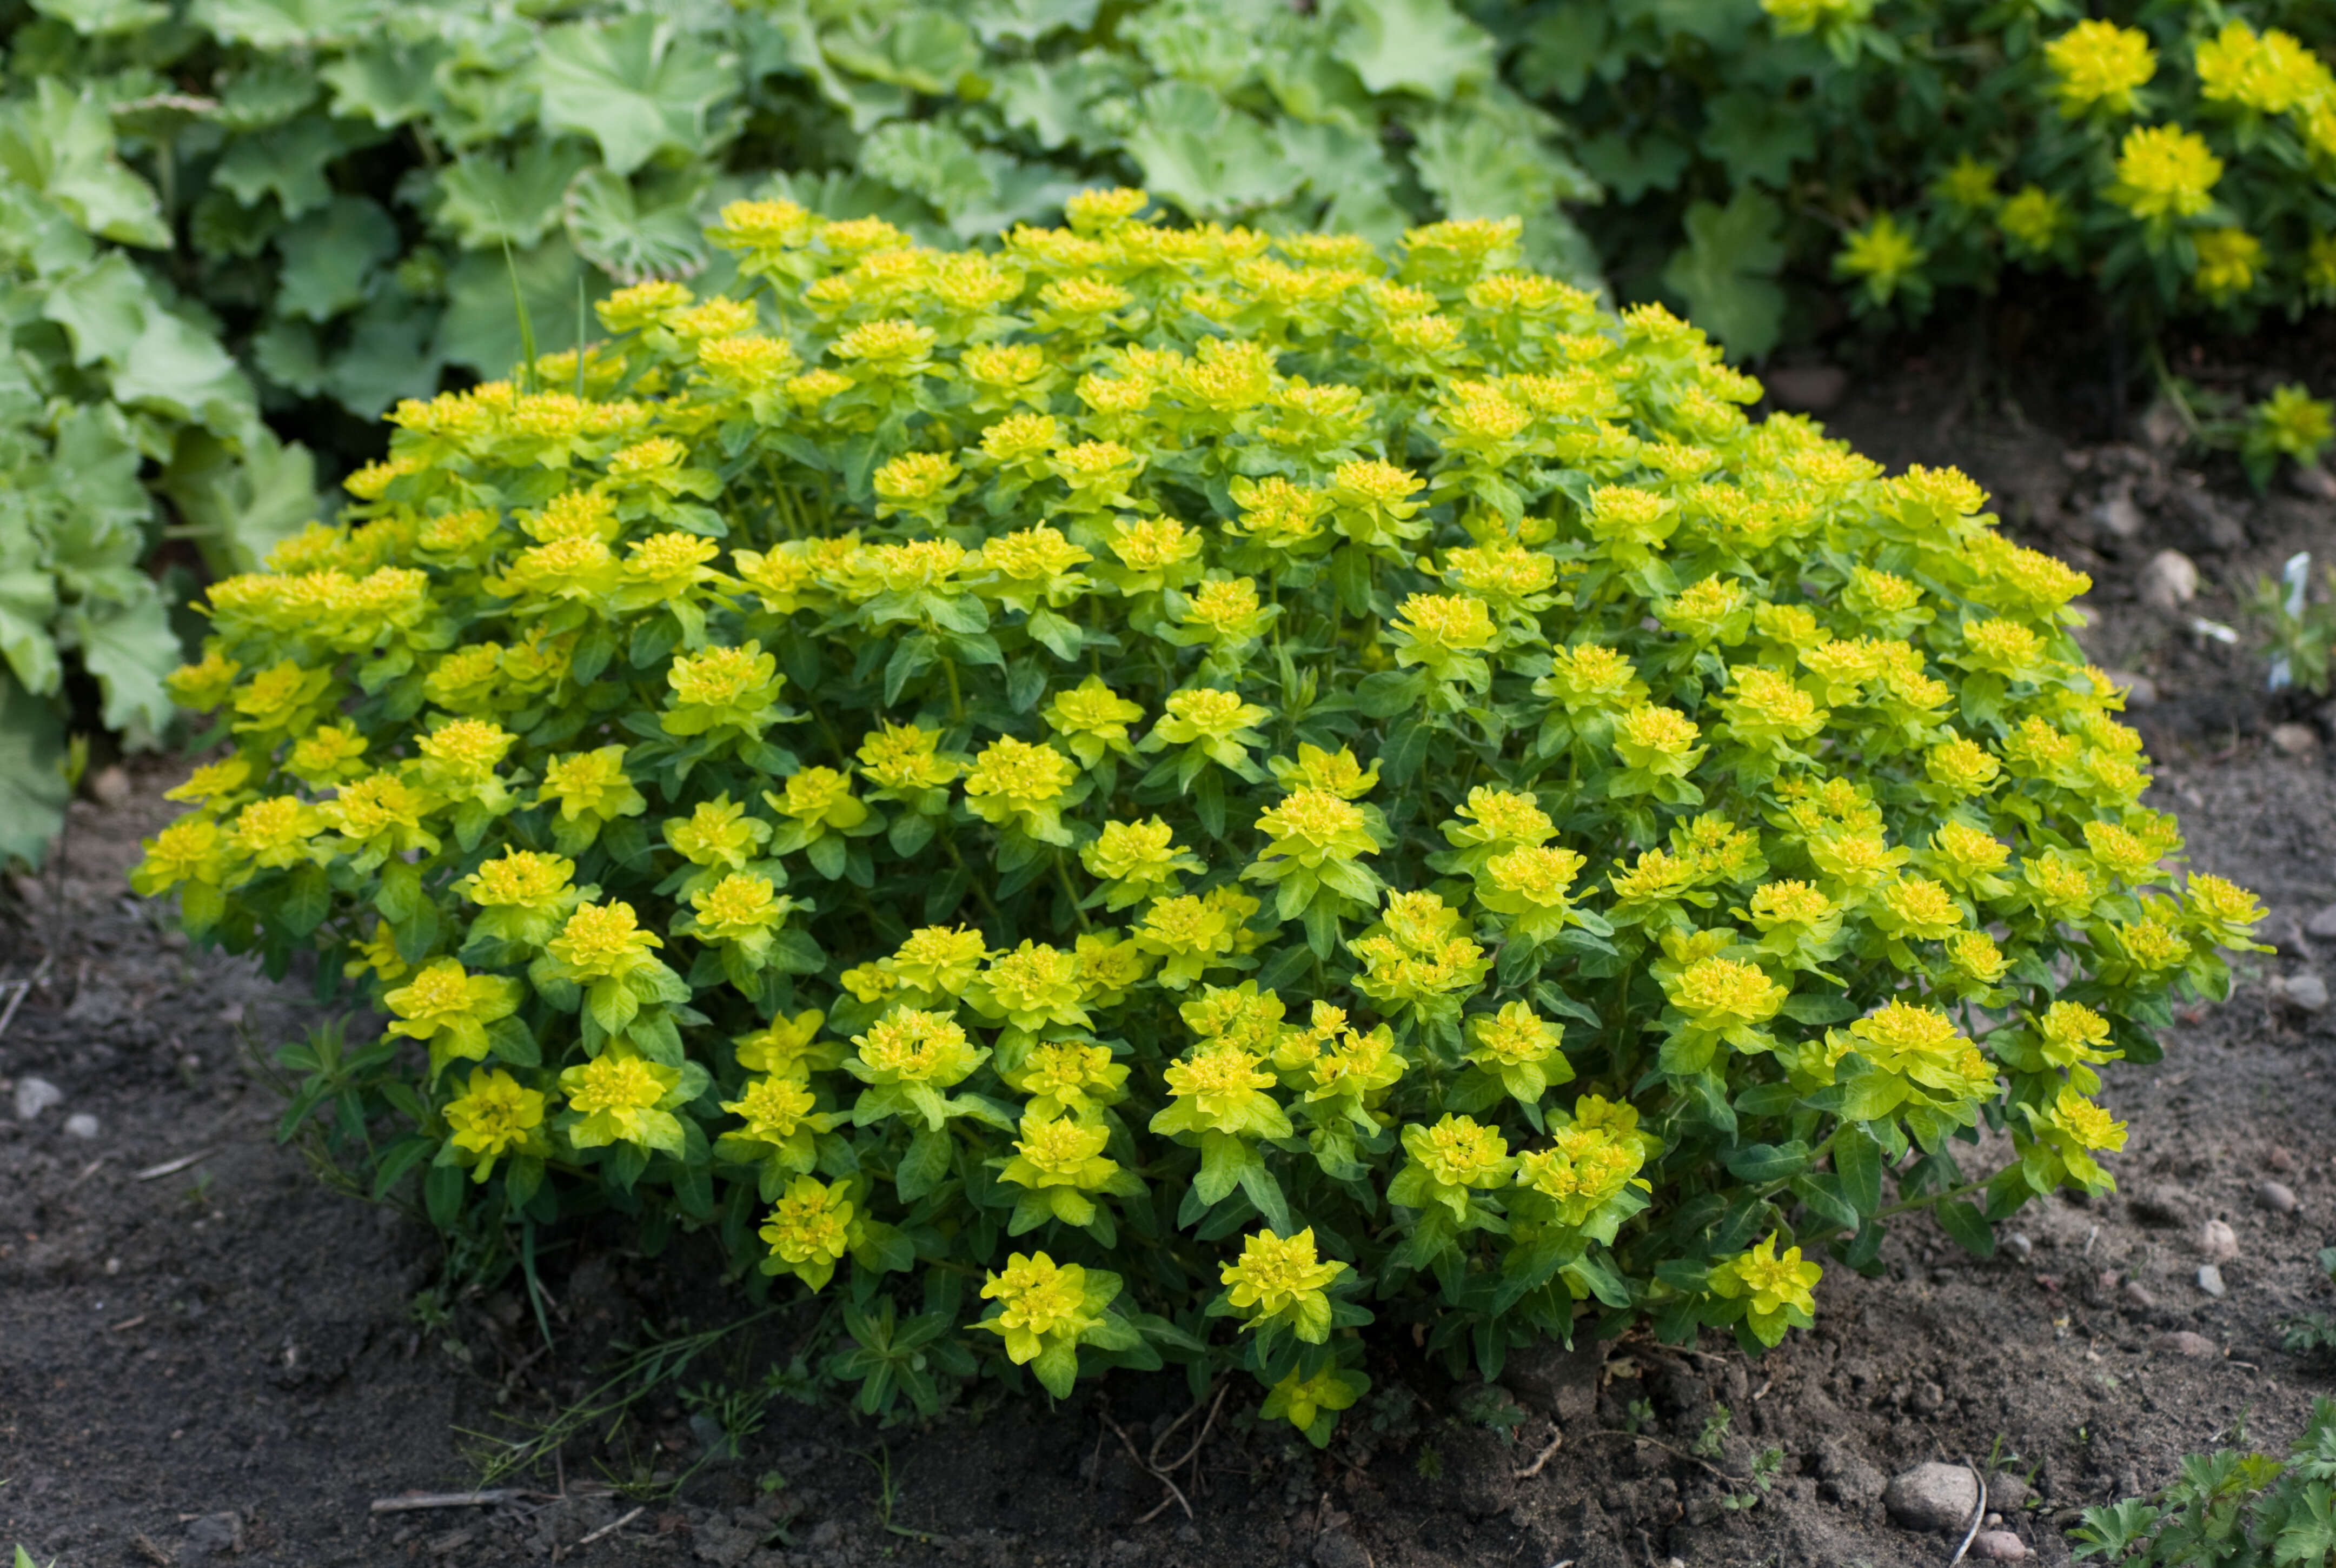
<point x="870" y="770"/>
<point x="2231" y="1507"/>
<point x="338" y="183"/>
<point x="1748" y="153"/>
<point x="117" y="412"/>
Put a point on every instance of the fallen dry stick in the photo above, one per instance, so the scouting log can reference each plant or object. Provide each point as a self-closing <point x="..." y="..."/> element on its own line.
<point x="612" y="1529"/>
<point x="414" y="1500"/>
<point x="1527" y="1472"/>
<point x="172" y="1168"/>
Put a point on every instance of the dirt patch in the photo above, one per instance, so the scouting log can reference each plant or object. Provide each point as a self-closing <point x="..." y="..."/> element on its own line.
<point x="224" y="1361"/>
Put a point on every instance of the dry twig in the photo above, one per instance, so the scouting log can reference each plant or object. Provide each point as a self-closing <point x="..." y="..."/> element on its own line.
<point x="1175" y="1493"/>
<point x="413" y="1501"/>
<point x="1977" y="1514"/>
<point x="612" y="1529"/>
<point x="172" y="1168"/>
<point x="1527" y="1472"/>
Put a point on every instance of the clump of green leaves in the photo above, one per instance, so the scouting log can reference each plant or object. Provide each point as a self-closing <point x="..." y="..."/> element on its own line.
<point x="2230" y="1508"/>
<point x="113" y="407"/>
<point x="2180" y="154"/>
<point x="1156" y="795"/>
<point x="2300" y="628"/>
<point x="339" y="182"/>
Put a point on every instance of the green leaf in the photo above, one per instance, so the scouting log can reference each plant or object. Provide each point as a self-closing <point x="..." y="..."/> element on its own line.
<point x="177" y="369"/>
<point x="1968" y="1227"/>
<point x="1756" y="136"/>
<point x="388" y="84"/>
<point x="1724" y="272"/>
<point x="388" y="355"/>
<point x="102" y="307"/>
<point x="628" y="239"/>
<point x="1763" y="1162"/>
<point x="28" y="598"/>
<point x="271" y="24"/>
<point x="1026" y="21"/>
<point x="288" y="162"/>
<point x="1061" y="105"/>
<point x="1819" y="1007"/>
<point x="242" y="504"/>
<point x="480" y="330"/>
<point x="486" y="202"/>
<point x="1629" y="168"/>
<point x="921" y="48"/>
<point x="1857" y="1161"/>
<point x="330" y="254"/>
<point x="60" y="144"/>
<point x="638" y="86"/>
<point x="1422" y="46"/>
<point x="930" y="161"/>
<point x="31" y="785"/>
<point x="1209" y="159"/>
<point x="129" y="648"/>
<point x="103" y="18"/>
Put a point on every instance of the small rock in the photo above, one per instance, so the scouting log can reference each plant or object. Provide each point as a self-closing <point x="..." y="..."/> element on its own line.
<point x="2018" y="1245"/>
<point x="1807" y="388"/>
<point x="2217" y="1243"/>
<point x="210" y="1536"/>
<point x="2311" y="480"/>
<point x="2276" y="1196"/>
<point x="2169" y="582"/>
<point x="2117" y="514"/>
<point x="108" y="786"/>
<point x="2197" y="1346"/>
<point x="2008" y="1492"/>
<point x="1932" y="1496"/>
<point x="2322" y="924"/>
<point x="2305" y="992"/>
<point x="34" y="1096"/>
<point x="2279" y="1159"/>
<point x="2164" y="425"/>
<point x="80" y="1124"/>
<point x="1998" y="1546"/>
<point x="2138" y="1294"/>
<point x="2295" y="739"/>
<point x="2210" y="1280"/>
<point x="1337" y="1549"/>
<point x="2283" y="933"/>
<point x="2140" y="691"/>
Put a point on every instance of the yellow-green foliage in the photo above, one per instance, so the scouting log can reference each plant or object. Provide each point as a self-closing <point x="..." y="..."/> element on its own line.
<point x="1177" y="775"/>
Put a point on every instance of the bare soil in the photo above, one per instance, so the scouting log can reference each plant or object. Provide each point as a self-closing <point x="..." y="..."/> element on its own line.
<point x="226" y="1362"/>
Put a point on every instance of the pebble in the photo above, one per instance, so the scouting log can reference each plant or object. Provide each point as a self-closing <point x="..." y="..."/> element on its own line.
<point x="2217" y="1243"/>
<point x="2322" y="924"/>
<point x="2276" y="1196"/>
<point x="1998" y="1546"/>
<point x="2279" y="1159"/>
<point x="2018" y="1245"/>
<point x="80" y="1124"/>
<point x="1932" y="1496"/>
<point x="34" y="1096"/>
<point x="2008" y="1492"/>
<point x="2210" y="1280"/>
<point x="2295" y="739"/>
<point x="2185" y="1342"/>
<point x="2138" y="1294"/>
<point x="108" y="786"/>
<point x="2169" y="580"/>
<point x="2305" y="992"/>
<point x="2310" y="479"/>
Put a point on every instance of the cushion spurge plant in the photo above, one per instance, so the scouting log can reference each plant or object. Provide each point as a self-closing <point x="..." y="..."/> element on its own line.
<point x="1162" y="776"/>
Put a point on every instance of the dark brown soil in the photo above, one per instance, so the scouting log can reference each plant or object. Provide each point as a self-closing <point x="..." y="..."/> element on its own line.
<point x="228" y="1360"/>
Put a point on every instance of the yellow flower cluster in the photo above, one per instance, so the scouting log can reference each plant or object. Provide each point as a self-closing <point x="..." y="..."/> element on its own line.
<point x="1185" y="732"/>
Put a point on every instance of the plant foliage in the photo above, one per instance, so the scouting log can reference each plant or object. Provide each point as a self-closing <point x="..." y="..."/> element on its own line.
<point x="2231" y="1508"/>
<point x="108" y="395"/>
<point x="2181" y="154"/>
<point x="343" y="178"/>
<point x="1163" y="775"/>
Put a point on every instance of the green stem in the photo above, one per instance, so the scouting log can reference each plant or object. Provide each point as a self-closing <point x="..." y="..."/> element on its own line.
<point x="981" y="891"/>
<point x="1063" y="873"/>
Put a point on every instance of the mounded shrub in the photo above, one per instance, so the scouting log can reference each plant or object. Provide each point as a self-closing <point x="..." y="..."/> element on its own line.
<point x="1164" y="776"/>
